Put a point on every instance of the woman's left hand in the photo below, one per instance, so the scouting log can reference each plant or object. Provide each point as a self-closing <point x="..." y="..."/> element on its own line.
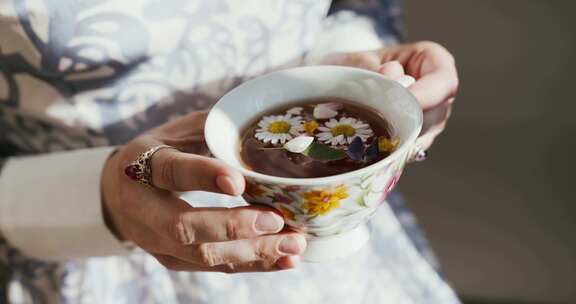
<point x="429" y="63"/>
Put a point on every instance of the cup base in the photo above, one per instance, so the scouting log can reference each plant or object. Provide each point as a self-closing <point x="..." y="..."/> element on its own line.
<point x="337" y="246"/>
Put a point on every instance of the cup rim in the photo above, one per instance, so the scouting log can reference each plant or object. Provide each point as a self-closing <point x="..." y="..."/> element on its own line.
<point x="404" y="146"/>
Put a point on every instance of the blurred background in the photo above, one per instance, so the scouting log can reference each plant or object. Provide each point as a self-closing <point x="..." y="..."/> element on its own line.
<point x="496" y="196"/>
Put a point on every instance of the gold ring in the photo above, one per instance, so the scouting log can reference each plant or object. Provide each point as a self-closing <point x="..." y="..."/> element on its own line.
<point x="140" y="170"/>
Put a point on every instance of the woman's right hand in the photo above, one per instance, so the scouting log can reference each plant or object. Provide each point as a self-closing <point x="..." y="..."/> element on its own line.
<point x="243" y="239"/>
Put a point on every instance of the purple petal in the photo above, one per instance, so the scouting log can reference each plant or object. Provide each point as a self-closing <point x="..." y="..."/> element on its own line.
<point x="356" y="149"/>
<point x="372" y="151"/>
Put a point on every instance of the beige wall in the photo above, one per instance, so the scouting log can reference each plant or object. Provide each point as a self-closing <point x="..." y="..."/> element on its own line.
<point x="497" y="196"/>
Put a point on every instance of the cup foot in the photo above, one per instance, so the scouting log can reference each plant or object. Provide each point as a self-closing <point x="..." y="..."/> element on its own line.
<point x="336" y="246"/>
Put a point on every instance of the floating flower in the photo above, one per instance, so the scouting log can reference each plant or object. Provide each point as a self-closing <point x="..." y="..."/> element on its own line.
<point x="343" y="131"/>
<point x="327" y="110"/>
<point x="310" y="127"/>
<point x="299" y="144"/>
<point x="357" y="151"/>
<point x="320" y="202"/>
<point x="387" y="145"/>
<point x="278" y="128"/>
<point x="295" y="111"/>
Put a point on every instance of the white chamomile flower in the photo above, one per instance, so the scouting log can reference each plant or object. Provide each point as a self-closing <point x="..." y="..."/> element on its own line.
<point x="276" y="129"/>
<point x="343" y="131"/>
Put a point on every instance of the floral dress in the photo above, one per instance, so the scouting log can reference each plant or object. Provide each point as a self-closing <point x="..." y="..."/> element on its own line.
<point x="79" y="74"/>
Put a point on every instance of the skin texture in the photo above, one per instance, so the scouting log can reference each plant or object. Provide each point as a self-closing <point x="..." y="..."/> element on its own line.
<point x="184" y="238"/>
<point x="429" y="63"/>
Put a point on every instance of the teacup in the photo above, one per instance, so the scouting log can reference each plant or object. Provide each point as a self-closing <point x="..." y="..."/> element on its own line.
<point x="345" y="201"/>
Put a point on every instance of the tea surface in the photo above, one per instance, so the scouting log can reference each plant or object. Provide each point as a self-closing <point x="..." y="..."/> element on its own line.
<point x="337" y="136"/>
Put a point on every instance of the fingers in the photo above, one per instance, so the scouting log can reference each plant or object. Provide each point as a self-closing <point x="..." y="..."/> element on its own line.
<point x="199" y="225"/>
<point x="435" y="118"/>
<point x="264" y="248"/>
<point x="435" y="88"/>
<point x="177" y="171"/>
<point x="174" y="219"/>
<point x="176" y="264"/>
<point x="264" y="253"/>
<point x="433" y="67"/>
<point x="392" y="69"/>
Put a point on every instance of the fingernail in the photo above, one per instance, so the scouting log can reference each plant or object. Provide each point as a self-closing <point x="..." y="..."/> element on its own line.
<point x="288" y="262"/>
<point x="268" y="222"/>
<point x="227" y="184"/>
<point x="293" y="244"/>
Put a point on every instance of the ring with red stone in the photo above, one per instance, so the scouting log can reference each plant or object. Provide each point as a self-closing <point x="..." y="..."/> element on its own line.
<point x="140" y="170"/>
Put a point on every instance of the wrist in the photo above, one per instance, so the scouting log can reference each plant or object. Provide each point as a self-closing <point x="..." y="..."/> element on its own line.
<point x="106" y="186"/>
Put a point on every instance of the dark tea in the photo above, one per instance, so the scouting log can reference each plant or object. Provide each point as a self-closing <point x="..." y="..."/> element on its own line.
<point x="316" y="138"/>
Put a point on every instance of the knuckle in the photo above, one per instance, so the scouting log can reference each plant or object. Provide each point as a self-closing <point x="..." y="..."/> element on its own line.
<point x="232" y="229"/>
<point x="167" y="170"/>
<point x="178" y="230"/>
<point x="436" y="48"/>
<point x="208" y="256"/>
<point x="261" y="251"/>
<point x="429" y="45"/>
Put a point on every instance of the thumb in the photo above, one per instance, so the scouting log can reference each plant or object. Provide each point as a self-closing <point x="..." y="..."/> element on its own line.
<point x="178" y="171"/>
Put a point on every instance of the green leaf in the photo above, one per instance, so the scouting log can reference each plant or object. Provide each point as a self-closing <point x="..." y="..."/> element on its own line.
<point x="323" y="152"/>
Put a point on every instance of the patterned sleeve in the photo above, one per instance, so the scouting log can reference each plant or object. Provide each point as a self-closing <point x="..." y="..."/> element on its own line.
<point x="386" y="14"/>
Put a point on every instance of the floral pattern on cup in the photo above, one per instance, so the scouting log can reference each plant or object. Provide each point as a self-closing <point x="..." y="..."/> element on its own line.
<point x="324" y="210"/>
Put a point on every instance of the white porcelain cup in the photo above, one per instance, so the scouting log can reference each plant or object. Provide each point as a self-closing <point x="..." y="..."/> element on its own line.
<point x="352" y="197"/>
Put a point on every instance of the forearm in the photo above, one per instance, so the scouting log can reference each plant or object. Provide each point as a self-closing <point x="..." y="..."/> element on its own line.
<point x="50" y="205"/>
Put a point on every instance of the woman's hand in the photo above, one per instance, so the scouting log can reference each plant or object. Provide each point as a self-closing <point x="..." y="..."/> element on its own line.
<point x="429" y="63"/>
<point x="182" y="237"/>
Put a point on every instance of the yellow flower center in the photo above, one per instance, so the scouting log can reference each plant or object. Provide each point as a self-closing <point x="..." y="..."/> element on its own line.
<point x="322" y="202"/>
<point x="279" y="127"/>
<point x="387" y="145"/>
<point x="344" y="129"/>
<point x="310" y="127"/>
